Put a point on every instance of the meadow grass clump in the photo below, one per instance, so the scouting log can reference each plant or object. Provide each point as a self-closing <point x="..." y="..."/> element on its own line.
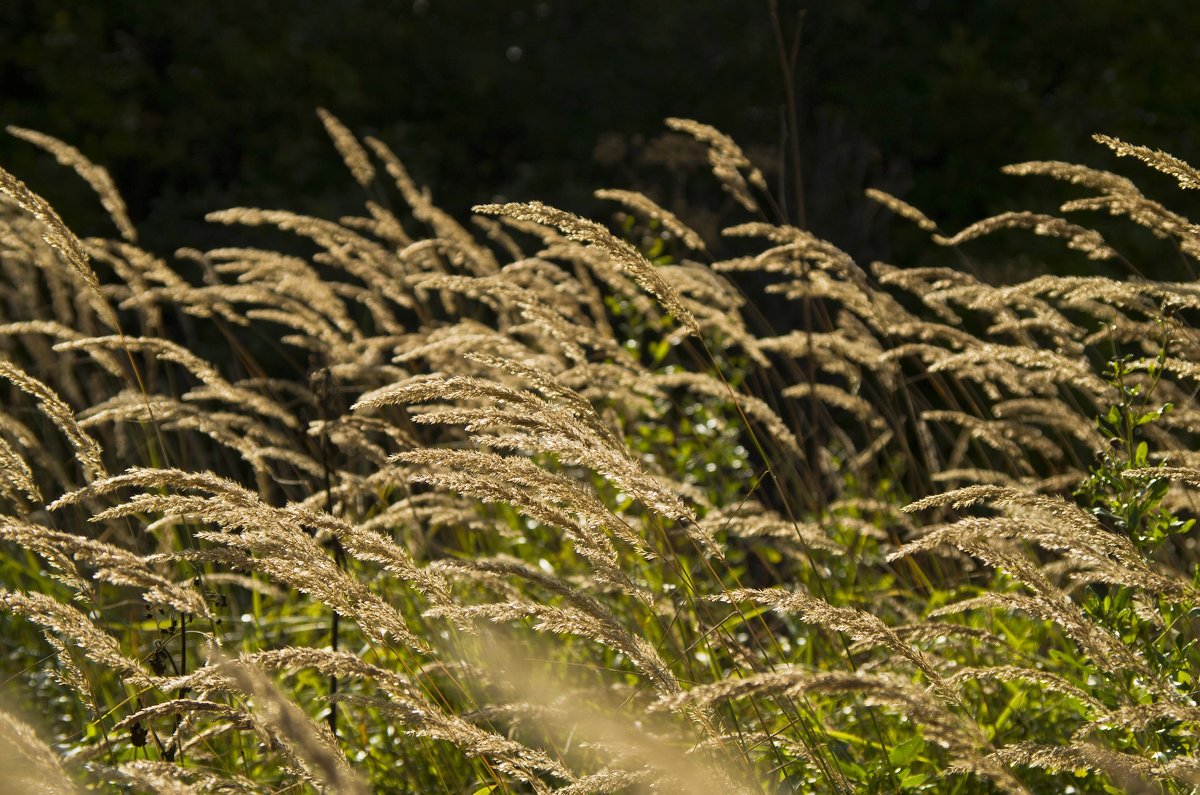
<point x="538" y="505"/>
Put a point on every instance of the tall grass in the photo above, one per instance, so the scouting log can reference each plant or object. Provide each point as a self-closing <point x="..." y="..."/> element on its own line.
<point x="532" y="505"/>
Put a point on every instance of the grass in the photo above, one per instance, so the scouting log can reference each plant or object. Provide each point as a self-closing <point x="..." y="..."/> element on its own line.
<point x="539" y="505"/>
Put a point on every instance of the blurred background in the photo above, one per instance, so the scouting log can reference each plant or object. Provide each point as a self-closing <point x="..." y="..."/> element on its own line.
<point x="201" y="106"/>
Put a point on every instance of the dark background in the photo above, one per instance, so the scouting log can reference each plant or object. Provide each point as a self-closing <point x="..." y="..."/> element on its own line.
<point x="200" y="106"/>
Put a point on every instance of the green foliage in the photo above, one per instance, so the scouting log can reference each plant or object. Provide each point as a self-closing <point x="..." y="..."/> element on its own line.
<point x="1122" y="490"/>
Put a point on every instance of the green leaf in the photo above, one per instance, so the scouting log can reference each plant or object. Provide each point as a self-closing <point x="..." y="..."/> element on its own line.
<point x="906" y="751"/>
<point x="913" y="780"/>
<point x="659" y="350"/>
